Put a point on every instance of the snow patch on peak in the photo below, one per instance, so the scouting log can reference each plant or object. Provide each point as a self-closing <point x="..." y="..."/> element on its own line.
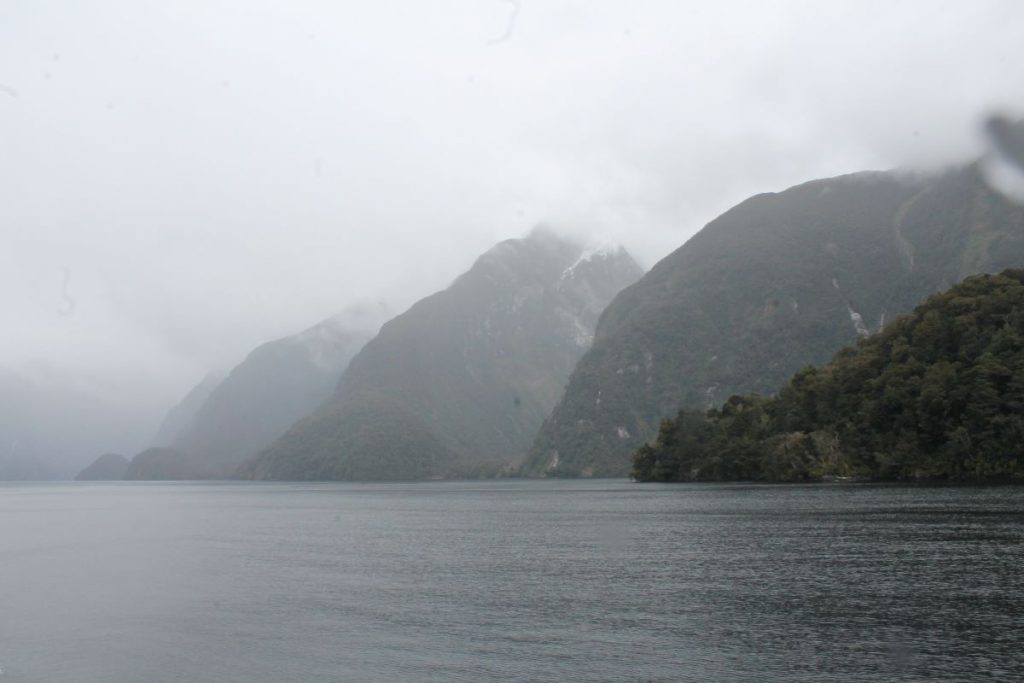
<point x="591" y="252"/>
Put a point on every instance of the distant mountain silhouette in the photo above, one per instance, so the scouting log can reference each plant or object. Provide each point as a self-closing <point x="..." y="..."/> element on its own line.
<point x="276" y="384"/>
<point x="107" y="467"/>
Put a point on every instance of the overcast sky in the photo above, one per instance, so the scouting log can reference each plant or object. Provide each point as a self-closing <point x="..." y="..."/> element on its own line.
<point x="181" y="181"/>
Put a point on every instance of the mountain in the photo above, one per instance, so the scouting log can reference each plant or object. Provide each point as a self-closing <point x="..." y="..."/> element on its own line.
<point x="277" y="383"/>
<point x="459" y="384"/>
<point x="778" y="282"/>
<point x="938" y="395"/>
<point x="107" y="467"/>
<point x="181" y="418"/>
<point x="162" y="464"/>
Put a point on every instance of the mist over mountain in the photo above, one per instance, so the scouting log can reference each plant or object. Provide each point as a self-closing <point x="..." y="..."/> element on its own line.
<point x="172" y="201"/>
<point x="778" y="282"/>
<point x="18" y="458"/>
<point x="221" y="423"/>
<point x="458" y="384"/>
<point x="54" y="422"/>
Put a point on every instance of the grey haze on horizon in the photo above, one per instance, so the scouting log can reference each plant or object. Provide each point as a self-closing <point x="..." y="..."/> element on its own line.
<point x="183" y="181"/>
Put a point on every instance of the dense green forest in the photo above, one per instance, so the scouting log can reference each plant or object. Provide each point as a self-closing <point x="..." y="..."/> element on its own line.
<point x="937" y="395"/>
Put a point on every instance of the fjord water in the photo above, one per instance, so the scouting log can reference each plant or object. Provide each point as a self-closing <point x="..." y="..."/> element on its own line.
<point x="509" y="581"/>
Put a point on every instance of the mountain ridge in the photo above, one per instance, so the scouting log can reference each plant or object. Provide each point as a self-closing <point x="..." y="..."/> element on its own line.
<point x="276" y="383"/>
<point x="457" y="384"/>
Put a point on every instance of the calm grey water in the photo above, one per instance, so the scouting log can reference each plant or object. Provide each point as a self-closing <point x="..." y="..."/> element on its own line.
<point x="509" y="581"/>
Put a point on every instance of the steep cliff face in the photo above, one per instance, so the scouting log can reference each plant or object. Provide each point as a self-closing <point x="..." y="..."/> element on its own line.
<point x="458" y="384"/>
<point x="776" y="283"/>
<point x="276" y="384"/>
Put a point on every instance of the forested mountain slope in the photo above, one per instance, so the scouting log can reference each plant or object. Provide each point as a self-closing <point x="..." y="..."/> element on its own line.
<point x="938" y="395"/>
